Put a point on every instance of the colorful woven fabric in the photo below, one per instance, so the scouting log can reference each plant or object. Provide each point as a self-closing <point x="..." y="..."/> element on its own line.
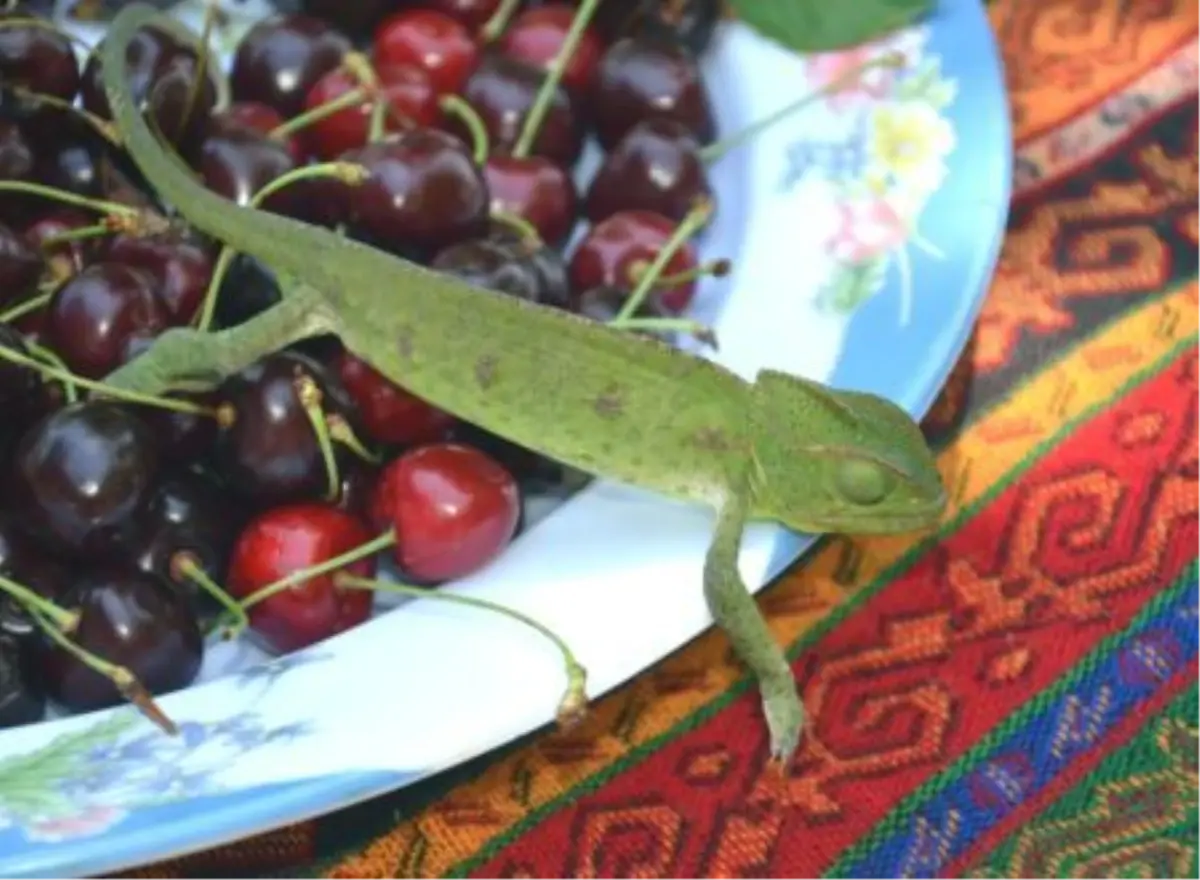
<point x="1015" y="696"/>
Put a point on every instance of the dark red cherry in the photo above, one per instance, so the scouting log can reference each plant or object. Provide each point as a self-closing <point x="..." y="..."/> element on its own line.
<point x="279" y="60"/>
<point x="183" y="437"/>
<point x="269" y="453"/>
<point x="536" y="37"/>
<point x="502" y="91"/>
<point x="640" y="79"/>
<point x="533" y="472"/>
<point x="129" y="618"/>
<point x="423" y="193"/>
<point x="187" y="517"/>
<point x="37" y="58"/>
<point x="101" y="317"/>
<point x="65" y="258"/>
<point x="430" y="40"/>
<point x="453" y="508"/>
<point x="27" y="563"/>
<point x="690" y="23"/>
<point x="258" y="118"/>
<point x="18" y="384"/>
<point x="473" y="14"/>
<point x="617" y="250"/>
<point x="547" y="263"/>
<point x="358" y="17"/>
<point x="22" y="697"/>
<point x="491" y="264"/>
<point x="410" y="94"/>
<point x="284" y="540"/>
<point x="248" y="289"/>
<point x="17" y="163"/>
<point x="70" y="156"/>
<point x="536" y="190"/>
<point x="357" y="491"/>
<point x="655" y="167"/>
<point x="389" y="413"/>
<point x="82" y="472"/>
<point x="20" y="266"/>
<point x="237" y="162"/>
<point x="179" y="268"/>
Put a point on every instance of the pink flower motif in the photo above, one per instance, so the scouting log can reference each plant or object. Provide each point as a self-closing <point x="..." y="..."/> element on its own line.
<point x="866" y="228"/>
<point x="869" y="86"/>
<point x="92" y="820"/>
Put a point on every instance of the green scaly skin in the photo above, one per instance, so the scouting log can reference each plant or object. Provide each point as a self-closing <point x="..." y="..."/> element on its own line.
<point x="610" y="403"/>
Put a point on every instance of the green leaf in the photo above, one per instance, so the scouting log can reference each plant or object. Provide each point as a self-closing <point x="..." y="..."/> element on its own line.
<point x="926" y="84"/>
<point x="825" y="25"/>
<point x="58" y="759"/>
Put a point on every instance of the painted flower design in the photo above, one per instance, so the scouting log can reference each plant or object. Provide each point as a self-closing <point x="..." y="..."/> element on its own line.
<point x="907" y="145"/>
<point x="867" y="227"/>
<point x="89" y="821"/>
<point x="873" y="84"/>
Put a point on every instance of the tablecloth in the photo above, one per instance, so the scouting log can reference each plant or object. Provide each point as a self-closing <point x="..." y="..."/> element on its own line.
<point x="1015" y="696"/>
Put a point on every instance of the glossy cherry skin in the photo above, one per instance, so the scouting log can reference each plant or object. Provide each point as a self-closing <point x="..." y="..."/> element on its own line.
<point x="655" y="167"/>
<point x="537" y="35"/>
<point x="690" y="23"/>
<point x="237" y="162"/>
<point x="280" y="58"/>
<point x="357" y="490"/>
<point x="430" y="40"/>
<point x="183" y="437"/>
<point x="640" y="79"/>
<point x="453" y="508"/>
<point x="537" y="190"/>
<point x="491" y="264"/>
<point x="502" y="91"/>
<point x="186" y="517"/>
<point x="38" y="59"/>
<point x="82" y="473"/>
<point x="20" y="266"/>
<point x="22" y="697"/>
<point x="258" y="118"/>
<point x="129" y="618"/>
<point x="284" y="540"/>
<point x="423" y="193"/>
<point x="473" y="14"/>
<point x="407" y="88"/>
<point x="22" y="560"/>
<point x="66" y="258"/>
<point x="390" y="414"/>
<point x="180" y="269"/>
<point x="70" y="156"/>
<point x="100" y="318"/>
<point x="270" y="453"/>
<point x="617" y="249"/>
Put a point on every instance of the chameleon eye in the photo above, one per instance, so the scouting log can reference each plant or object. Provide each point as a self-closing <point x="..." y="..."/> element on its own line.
<point x="863" y="482"/>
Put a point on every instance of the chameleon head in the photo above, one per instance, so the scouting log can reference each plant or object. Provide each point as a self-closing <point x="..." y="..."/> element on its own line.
<point x="843" y="462"/>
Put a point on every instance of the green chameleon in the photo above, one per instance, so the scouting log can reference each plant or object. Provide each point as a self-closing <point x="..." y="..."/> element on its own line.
<point x="608" y="402"/>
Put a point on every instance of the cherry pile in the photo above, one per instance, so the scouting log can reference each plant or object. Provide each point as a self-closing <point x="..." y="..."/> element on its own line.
<point x="131" y="529"/>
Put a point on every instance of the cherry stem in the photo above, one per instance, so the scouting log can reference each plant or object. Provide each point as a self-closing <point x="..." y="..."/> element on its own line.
<point x="377" y="125"/>
<point x="494" y="28"/>
<point x="453" y="105"/>
<point x="79" y="234"/>
<point x="63" y="620"/>
<point x="695" y="219"/>
<point x="702" y="332"/>
<point x="347" y="172"/>
<point x="20" y="310"/>
<point x="184" y="565"/>
<point x="102" y="127"/>
<point x="124" y="680"/>
<point x="526" y="230"/>
<point x="574" y="701"/>
<point x="717" y="268"/>
<point x="545" y="95"/>
<point x="310" y="398"/>
<point x="352" y="98"/>
<point x="203" y="51"/>
<point x="341" y="432"/>
<point x="375" y="545"/>
<point x="69" y="198"/>
<point x="58" y="371"/>
<point x="714" y="152"/>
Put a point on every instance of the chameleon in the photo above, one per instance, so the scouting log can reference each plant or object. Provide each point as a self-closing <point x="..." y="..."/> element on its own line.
<point x="615" y="405"/>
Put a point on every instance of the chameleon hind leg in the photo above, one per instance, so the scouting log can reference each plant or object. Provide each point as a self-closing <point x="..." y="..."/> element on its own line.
<point x="738" y="615"/>
<point x="182" y="359"/>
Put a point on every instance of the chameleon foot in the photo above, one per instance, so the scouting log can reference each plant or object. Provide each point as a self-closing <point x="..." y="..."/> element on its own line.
<point x="785" y="719"/>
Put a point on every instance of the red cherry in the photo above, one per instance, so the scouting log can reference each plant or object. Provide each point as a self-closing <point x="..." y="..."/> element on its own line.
<point x="616" y="250"/>
<point x="536" y="36"/>
<point x="537" y="190"/>
<point x="388" y="412"/>
<point x="283" y="540"/>
<point x="407" y="89"/>
<point x="453" y="509"/>
<point x="260" y="118"/>
<point x="431" y="40"/>
<point x="474" y="14"/>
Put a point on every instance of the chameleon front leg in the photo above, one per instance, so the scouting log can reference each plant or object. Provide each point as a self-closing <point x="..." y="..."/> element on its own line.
<point x="183" y="357"/>
<point x="735" y="611"/>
